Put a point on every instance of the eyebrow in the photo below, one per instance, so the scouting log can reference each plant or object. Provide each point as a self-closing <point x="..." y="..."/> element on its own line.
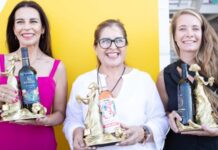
<point x="192" y="26"/>
<point x="29" y="19"/>
<point x="111" y="38"/>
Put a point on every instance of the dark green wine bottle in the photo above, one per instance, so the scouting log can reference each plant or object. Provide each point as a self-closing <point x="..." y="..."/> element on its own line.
<point x="28" y="81"/>
<point x="185" y="108"/>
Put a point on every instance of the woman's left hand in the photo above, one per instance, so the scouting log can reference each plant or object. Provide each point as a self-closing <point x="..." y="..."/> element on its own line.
<point x="206" y="131"/>
<point x="134" y="134"/>
<point x="39" y="121"/>
<point x="44" y="121"/>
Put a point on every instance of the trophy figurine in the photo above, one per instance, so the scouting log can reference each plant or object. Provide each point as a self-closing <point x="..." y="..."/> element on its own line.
<point x="204" y="112"/>
<point x="14" y="111"/>
<point x="10" y="108"/>
<point x="94" y="134"/>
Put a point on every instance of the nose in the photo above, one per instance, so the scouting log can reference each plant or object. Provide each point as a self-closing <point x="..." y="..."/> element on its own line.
<point x="190" y="33"/>
<point x="113" y="46"/>
<point x="27" y="26"/>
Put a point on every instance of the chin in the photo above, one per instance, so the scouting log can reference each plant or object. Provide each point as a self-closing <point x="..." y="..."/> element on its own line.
<point x="27" y="44"/>
<point x="113" y="64"/>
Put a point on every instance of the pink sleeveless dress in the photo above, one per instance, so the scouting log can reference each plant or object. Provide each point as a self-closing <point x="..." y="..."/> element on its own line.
<point x="30" y="137"/>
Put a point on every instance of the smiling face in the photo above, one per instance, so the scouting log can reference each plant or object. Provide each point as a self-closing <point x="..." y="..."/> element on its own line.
<point x="28" y="27"/>
<point x="113" y="56"/>
<point x="188" y="33"/>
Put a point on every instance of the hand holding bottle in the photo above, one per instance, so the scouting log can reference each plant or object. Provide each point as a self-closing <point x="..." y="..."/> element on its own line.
<point x="173" y="116"/>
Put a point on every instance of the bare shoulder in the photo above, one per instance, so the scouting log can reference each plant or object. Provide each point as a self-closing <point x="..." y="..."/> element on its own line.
<point x="160" y="79"/>
<point x="61" y="67"/>
<point x="61" y="71"/>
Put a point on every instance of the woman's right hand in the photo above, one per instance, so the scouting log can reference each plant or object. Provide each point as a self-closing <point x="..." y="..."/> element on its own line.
<point x="173" y="116"/>
<point x="78" y="141"/>
<point x="8" y="94"/>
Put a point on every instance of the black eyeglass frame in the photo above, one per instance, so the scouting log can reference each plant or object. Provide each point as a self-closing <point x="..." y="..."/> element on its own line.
<point x="112" y="41"/>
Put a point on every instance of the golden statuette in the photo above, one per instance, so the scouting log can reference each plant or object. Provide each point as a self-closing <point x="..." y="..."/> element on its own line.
<point x="204" y="112"/>
<point x="94" y="134"/>
<point x="14" y="111"/>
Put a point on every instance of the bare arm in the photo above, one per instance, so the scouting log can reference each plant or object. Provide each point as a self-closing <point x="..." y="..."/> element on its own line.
<point x="172" y="116"/>
<point x="162" y="89"/>
<point x="58" y="112"/>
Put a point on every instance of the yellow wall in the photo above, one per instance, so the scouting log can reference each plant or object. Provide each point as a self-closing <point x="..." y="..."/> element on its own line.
<point x="72" y="26"/>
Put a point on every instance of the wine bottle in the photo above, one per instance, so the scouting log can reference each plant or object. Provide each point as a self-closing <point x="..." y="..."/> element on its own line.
<point x="185" y="108"/>
<point x="28" y="81"/>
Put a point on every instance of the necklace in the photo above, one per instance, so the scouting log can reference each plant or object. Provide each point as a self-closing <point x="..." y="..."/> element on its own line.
<point x="115" y="85"/>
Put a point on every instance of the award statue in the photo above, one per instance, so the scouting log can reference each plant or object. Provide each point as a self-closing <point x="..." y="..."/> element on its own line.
<point x="204" y="112"/>
<point x="15" y="111"/>
<point x="95" y="134"/>
<point x="10" y="108"/>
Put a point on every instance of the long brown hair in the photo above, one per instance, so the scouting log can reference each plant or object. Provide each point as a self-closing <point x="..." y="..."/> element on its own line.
<point x="207" y="55"/>
<point x="45" y="39"/>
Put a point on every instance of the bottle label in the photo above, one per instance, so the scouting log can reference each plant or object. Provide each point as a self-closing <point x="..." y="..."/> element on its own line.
<point x="29" y="88"/>
<point x="185" y="103"/>
<point x="108" y="115"/>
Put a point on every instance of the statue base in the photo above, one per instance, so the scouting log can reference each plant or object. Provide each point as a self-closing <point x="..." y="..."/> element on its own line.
<point x="21" y="115"/>
<point x="13" y="112"/>
<point x="101" y="140"/>
<point x="191" y="126"/>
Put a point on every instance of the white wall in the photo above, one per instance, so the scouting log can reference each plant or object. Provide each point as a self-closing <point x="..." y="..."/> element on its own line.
<point x="164" y="40"/>
<point x="2" y="4"/>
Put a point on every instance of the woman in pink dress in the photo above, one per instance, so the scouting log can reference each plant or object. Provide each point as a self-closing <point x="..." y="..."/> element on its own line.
<point x="28" y="27"/>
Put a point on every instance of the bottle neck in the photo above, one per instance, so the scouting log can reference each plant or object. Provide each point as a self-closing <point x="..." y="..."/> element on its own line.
<point x="184" y="71"/>
<point x="25" y="61"/>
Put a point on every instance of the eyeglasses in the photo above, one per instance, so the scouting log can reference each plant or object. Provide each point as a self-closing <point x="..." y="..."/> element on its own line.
<point x="106" y="43"/>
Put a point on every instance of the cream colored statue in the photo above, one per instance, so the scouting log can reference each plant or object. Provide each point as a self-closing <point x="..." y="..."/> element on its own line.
<point x="14" y="111"/>
<point x="11" y="108"/>
<point x="203" y="105"/>
<point x="94" y="133"/>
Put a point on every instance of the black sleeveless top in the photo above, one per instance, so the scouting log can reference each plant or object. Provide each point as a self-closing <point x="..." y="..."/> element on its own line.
<point x="177" y="141"/>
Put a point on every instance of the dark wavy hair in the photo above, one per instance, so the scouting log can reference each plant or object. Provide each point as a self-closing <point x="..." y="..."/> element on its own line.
<point x="45" y="39"/>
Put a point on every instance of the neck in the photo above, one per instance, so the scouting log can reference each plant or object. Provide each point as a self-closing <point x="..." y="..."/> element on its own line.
<point x="111" y="71"/>
<point x="188" y="58"/>
<point x="34" y="54"/>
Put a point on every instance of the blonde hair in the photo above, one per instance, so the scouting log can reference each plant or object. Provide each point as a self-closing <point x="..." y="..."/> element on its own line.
<point x="207" y="54"/>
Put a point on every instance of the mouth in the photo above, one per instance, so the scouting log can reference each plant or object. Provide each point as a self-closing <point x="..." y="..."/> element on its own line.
<point x="113" y="55"/>
<point x="189" y="41"/>
<point x="27" y="35"/>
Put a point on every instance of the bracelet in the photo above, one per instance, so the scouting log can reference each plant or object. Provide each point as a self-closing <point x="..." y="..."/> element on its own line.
<point x="147" y="134"/>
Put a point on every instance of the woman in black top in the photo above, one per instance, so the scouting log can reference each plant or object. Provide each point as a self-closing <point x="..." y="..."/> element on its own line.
<point x="194" y="41"/>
